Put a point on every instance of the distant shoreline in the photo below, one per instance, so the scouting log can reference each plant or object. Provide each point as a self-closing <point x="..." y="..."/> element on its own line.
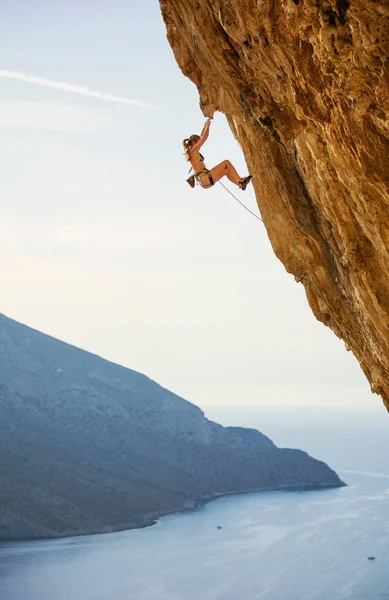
<point x="189" y="505"/>
<point x="204" y="500"/>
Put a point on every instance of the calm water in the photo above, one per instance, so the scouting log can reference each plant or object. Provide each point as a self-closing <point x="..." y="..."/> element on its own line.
<point x="272" y="546"/>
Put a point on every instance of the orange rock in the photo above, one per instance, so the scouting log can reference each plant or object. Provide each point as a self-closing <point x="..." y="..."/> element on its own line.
<point x="305" y="88"/>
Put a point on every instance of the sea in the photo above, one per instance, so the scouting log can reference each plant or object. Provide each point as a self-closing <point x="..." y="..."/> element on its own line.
<point x="319" y="545"/>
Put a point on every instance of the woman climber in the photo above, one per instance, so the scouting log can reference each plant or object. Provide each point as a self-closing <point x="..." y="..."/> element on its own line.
<point x="207" y="178"/>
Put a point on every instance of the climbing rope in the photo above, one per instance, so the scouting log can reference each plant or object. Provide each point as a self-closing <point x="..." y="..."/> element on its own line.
<point x="241" y="203"/>
<point x="345" y="336"/>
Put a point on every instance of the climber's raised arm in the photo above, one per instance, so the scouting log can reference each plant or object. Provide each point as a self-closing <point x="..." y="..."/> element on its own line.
<point x="206" y="125"/>
<point x="203" y="136"/>
<point x="205" y="177"/>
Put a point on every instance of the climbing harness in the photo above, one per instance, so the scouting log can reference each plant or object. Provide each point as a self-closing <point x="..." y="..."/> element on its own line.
<point x="205" y="186"/>
<point x="196" y="177"/>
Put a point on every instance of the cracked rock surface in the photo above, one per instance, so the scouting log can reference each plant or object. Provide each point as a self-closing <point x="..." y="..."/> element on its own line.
<point x="304" y="85"/>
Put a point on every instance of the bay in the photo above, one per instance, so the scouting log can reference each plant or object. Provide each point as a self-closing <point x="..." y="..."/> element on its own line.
<point x="269" y="545"/>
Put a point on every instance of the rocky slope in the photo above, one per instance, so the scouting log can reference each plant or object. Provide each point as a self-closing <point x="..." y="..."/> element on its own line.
<point x="89" y="446"/>
<point x="305" y="88"/>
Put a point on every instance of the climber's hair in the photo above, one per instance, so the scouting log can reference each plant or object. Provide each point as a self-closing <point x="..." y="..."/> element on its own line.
<point x="187" y="144"/>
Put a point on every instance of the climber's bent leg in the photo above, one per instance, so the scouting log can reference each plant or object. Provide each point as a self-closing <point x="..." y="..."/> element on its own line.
<point x="225" y="168"/>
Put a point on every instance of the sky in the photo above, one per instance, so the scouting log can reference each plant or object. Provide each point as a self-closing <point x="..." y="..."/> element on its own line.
<point x="105" y="246"/>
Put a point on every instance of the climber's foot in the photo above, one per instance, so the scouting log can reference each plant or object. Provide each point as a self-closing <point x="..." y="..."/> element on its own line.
<point x="243" y="184"/>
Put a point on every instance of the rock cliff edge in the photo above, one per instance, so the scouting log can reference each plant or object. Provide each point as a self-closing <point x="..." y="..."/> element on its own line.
<point x="304" y="85"/>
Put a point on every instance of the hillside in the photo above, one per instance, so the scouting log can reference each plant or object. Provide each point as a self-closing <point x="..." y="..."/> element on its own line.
<point x="90" y="446"/>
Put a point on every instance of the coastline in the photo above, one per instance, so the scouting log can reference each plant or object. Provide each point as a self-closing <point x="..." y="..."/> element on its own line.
<point x="150" y="520"/>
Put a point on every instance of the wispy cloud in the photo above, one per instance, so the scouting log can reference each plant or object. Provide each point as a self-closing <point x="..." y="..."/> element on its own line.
<point x="82" y="90"/>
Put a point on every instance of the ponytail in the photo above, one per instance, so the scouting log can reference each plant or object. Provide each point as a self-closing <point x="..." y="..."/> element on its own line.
<point x="186" y="147"/>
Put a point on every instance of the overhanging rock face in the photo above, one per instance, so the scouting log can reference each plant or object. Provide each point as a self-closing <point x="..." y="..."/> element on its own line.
<point x="304" y="85"/>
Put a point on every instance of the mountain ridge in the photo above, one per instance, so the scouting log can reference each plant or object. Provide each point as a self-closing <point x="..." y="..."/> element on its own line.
<point x="88" y="446"/>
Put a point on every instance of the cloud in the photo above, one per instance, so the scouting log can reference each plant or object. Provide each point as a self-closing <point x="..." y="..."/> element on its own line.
<point x="81" y="90"/>
<point x="51" y="117"/>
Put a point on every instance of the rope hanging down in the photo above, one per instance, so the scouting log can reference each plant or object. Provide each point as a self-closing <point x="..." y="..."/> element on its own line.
<point x="345" y="335"/>
<point x="241" y="203"/>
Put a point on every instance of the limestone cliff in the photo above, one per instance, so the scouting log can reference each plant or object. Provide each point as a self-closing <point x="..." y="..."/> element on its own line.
<point x="304" y="85"/>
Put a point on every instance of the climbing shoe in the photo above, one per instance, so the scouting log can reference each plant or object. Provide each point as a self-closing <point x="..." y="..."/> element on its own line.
<point x="243" y="184"/>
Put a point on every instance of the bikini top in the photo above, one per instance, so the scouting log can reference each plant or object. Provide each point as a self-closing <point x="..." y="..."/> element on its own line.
<point x="201" y="158"/>
<point x="193" y="167"/>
